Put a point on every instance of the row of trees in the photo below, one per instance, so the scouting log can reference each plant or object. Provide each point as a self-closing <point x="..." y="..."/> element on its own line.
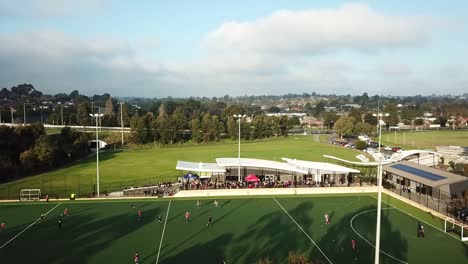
<point x="181" y="126"/>
<point x="27" y="150"/>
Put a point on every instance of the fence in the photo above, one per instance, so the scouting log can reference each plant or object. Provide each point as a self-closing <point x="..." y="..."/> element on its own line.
<point x="62" y="186"/>
<point x="439" y="201"/>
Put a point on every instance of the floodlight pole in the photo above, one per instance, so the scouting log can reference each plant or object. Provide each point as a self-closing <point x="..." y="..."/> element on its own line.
<point x="11" y="112"/>
<point x="121" y="120"/>
<point x="97" y="151"/>
<point x="239" y="117"/>
<point x="379" y="192"/>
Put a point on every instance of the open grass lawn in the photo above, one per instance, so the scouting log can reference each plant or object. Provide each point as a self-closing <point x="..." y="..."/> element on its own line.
<point x="243" y="230"/>
<point x="425" y="139"/>
<point x="152" y="165"/>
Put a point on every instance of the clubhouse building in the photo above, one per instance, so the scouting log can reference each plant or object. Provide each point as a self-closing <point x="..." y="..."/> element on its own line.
<point x="289" y="169"/>
<point x="420" y="179"/>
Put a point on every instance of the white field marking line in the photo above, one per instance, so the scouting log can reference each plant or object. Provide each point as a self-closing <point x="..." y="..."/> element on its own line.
<point x="164" y="229"/>
<point x="311" y="240"/>
<point x="13" y="238"/>
<point x="351" y="224"/>
<point x="441" y="230"/>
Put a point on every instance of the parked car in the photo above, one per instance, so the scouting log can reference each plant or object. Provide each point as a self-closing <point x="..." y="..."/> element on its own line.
<point x="388" y="148"/>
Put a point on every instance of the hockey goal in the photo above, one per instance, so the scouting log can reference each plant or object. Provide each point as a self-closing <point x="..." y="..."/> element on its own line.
<point x="30" y="194"/>
<point x="453" y="226"/>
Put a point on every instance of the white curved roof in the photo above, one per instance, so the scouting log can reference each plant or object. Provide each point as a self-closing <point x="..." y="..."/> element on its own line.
<point x="407" y="153"/>
<point x="320" y="167"/>
<point x="259" y="163"/>
<point x="372" y="163"/>
<point x="199" y="166"/>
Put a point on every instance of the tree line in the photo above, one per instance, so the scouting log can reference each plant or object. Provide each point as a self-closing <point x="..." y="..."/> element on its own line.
<point x="183" y="125"/>
<point x="28" y="149"/>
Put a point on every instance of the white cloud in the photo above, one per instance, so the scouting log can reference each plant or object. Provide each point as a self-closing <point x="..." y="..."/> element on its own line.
<point x="287" y="51"/>
<point x="349" y="27"/>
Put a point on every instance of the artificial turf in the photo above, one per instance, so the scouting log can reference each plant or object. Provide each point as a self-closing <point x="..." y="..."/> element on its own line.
<point x="243" y="231"/>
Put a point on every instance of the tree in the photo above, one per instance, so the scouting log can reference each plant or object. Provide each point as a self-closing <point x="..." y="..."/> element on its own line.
<point x="370" y="119"/>
<point x="294" y="121"/>
<point x="356" y="114"/>
<point x="178" y="122"/>
<point x="196" y="130"/>
<point x="125" y="117"/>
<point x="319" y="109"/>
<point x="109" y="107"/>
<point x="330" y="119"/>
<point x="284" y="125"/>
<point x="137" y="127"/>
<point x="442" y="120"/>
<point x="392" y="119"/>
<point x="83" y="117"/>
<point x="360" y="145"/>
<point x="166" y="132"/>
<point x="274" y="109"/>
<point x="344" y="126"/>
<point x="206" y="126"/>
<point x="217" y="128"/>
<point x="419" y="122"/>
<point x="28" y="159"/>
<point x="363" y="128"/>
<point x="232" y="128"/>
<point x="45" y="150"/>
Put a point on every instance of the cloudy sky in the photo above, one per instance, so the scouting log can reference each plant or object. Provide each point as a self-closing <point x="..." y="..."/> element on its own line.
<point x="212" y="48"/>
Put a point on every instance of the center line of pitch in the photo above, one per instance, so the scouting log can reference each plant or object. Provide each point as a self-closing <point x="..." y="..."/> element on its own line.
<point x="164" y="229"/>
<point x="13" y="238"/>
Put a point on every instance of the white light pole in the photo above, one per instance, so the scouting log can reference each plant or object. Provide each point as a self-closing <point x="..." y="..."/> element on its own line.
<point x="379" y="188"/>
<point x="121" y="119"/>
<point x="97" y="151"/>
<point x="24" y="112"/>
<point x="11" y="112"/>
<point x="239" y="117"/>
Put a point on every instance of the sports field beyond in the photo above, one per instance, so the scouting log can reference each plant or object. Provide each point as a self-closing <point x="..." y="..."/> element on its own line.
<point x="140" y="166"/>
<point x="243" y="231"/>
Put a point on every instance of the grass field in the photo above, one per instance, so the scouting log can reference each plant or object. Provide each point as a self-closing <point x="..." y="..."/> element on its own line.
<point x="243" y="230"/>
<point x="425" y="139"/>
<point x="150" y="165"/>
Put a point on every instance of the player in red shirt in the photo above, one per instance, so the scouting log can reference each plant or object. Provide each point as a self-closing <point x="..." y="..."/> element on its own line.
<point x="187" y="215"/>
<point x="353" y="244"/>
<point x="66" y="212"/>
<point x="140" y="214"/>
<point x="136" y="258"/>
<point x="3" y="226"/>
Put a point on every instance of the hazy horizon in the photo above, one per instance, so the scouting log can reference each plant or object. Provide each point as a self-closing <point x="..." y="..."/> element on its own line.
<point x="212" y="48"/>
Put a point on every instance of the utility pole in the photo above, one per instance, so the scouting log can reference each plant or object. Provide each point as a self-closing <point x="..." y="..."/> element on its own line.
<point x="121" y="120"/>
<point x="12" y="119"/>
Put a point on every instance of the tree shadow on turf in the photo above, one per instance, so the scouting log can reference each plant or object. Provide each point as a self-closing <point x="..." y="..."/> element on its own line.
<point x="272" y="231"/>
<point x="81" y="237"/>
<point x="273" y="236"/>
<point x="337" y="241"/>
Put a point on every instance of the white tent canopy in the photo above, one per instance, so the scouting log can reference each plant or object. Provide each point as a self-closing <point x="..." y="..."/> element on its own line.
<point x="259" y="163"/>
<point x="199" y="167"/>
<point x="320" y="167"/>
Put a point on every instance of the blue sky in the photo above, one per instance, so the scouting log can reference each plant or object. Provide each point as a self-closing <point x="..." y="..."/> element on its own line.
<point x="213" y="48"/>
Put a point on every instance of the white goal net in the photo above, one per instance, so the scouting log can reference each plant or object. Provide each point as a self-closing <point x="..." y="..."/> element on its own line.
<point x="450" y="225"/>
<point x="30" y="194"/>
